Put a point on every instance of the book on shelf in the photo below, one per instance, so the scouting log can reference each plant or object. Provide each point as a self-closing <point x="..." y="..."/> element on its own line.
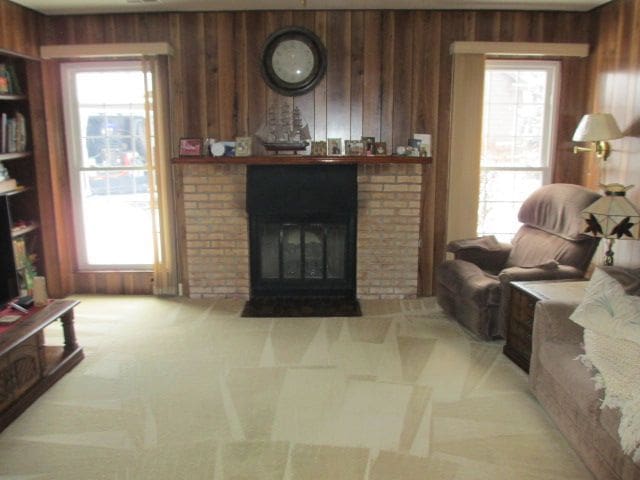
<point x="8" y="184"/>
<point x="9" y="83"/>
<point x="13" y="133"/>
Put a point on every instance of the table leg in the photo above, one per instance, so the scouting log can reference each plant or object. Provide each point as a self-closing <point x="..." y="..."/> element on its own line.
<point x="70" y="342"/>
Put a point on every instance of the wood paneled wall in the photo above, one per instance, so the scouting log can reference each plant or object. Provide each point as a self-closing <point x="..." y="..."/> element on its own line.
<point x="615" y="69"/>
<point x="389" y="75"/>
<point x="19" y="29"/>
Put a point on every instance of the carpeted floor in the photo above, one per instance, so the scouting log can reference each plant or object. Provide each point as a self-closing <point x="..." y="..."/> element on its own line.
<point x="179" y="389"/>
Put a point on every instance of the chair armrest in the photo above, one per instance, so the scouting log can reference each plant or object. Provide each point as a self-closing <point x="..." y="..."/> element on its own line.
<point x="485" y="252"/>
<point x="553" y="272"/>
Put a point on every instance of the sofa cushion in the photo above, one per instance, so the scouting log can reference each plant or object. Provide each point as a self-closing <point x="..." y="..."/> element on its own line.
<point x="608" y="310"/>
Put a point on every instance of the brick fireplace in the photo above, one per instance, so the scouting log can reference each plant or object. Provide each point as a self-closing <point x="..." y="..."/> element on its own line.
<point x="217" y="233"/>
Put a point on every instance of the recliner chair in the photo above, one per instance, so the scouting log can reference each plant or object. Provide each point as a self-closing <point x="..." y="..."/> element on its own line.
<point x="474" y="287"/>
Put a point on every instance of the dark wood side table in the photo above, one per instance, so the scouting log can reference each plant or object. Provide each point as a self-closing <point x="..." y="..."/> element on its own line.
<point x="28" y="366"/>
<point x="524" y="296"/>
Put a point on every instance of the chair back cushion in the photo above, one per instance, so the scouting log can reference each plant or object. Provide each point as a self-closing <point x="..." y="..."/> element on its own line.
<point x="536" y="248"/>
<point x="556" y="208"/>
<point x="553" y="228"/>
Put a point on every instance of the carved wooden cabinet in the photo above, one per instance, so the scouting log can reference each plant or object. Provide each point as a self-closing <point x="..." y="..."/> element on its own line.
<point x="524" y="296"/>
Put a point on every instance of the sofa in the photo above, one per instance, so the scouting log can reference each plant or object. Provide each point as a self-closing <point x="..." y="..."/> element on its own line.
<point x="565" y="387"/>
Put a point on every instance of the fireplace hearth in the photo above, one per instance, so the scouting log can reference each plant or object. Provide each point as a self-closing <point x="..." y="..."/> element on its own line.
<point x="302" y="232"/>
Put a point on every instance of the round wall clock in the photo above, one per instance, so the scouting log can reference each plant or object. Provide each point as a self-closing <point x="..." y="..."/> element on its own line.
<point x="294" y="60"/>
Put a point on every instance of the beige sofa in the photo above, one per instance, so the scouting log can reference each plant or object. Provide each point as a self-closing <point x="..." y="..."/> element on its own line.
<point x="564" y="387"/>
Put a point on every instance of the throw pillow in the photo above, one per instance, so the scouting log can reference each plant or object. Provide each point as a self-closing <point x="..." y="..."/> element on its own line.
<point x="608" y="310"/>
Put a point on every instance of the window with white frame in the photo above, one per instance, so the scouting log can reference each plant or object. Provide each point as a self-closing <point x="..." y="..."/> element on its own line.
<point x="109" y="163"/>
<point x="519" y="117"/>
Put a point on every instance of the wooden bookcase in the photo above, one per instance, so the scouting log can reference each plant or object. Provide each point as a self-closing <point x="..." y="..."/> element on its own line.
<point x="20" y="239"/>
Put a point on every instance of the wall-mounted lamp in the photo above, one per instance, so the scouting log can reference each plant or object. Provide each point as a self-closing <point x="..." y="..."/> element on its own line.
<point x="596" y="128"/>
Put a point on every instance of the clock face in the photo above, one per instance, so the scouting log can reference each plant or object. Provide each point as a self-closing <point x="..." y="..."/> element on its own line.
<point x="293" y="60"/>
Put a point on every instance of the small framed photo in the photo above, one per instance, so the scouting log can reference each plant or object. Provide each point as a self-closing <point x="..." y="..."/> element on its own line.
<point x="369" y="145"/>
<point x="319" y="148"/>
<point x="381" y="148"/>
<point x="354" y="147"/>
<point x="243" y="146"/>
<point x="190" y="147"/>
<point x="334" y="146"/>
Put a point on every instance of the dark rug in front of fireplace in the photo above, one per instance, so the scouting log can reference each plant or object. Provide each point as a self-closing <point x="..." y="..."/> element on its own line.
<point x="302" y="307"/>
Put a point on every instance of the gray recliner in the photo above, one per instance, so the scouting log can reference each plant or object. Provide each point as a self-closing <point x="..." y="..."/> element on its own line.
<point x="474" y="287"/>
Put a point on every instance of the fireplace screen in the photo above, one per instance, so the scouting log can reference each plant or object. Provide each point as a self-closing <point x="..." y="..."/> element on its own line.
<point x="292" y="251"/>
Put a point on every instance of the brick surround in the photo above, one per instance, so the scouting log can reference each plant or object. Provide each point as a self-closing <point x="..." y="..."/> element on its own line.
<point x="216" y="228"/>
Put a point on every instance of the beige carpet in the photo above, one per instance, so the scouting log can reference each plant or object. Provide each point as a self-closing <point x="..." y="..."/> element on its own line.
<point x="178" y="389"/>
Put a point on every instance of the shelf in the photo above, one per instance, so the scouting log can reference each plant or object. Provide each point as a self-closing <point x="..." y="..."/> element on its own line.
<point x="15" y="191"/>
<point x="12" y="98"/>
<point x="20" y="231"/>
<point x="305" y="160"/>
<point x="14" y="156"/>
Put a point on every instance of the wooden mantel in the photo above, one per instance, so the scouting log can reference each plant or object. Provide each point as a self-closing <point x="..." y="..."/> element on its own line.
<point x="305" y="160"/>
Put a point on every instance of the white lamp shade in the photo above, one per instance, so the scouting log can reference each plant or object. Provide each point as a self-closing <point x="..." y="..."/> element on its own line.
<point x="613" y="216"/>
<point x="595" y="127"/>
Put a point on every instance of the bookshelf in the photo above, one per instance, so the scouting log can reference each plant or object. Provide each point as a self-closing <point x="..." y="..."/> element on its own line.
<point x="20" y="240"/>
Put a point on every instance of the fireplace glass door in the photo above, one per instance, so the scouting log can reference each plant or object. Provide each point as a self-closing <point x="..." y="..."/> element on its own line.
<point x="301" y="257"/>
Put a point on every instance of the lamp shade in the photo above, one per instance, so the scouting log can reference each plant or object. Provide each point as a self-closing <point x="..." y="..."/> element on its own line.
<point x="613" y="215"/>
<point x="595" y="127"/>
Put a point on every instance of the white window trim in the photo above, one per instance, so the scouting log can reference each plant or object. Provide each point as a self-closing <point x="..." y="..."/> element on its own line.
<point x="74" y="153"/>
<point x="551" y="117"/>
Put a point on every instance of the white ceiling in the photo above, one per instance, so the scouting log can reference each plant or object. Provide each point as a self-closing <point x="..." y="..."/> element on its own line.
<point x="70" y="7"/>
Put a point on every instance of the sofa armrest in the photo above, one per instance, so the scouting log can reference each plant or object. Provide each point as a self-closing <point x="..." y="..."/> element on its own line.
<point x="485" y="252"/>
<point x="551" y="323"/>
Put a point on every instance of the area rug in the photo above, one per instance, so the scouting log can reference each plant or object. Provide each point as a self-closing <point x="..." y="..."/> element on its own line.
<point x="302" y="307"/>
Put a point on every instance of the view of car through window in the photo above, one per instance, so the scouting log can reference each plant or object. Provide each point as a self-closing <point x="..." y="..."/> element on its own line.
<point x="116" y="141"/>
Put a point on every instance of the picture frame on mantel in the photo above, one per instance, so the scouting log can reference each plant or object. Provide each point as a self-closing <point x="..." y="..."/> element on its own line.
<point x="334" y="146"/>
<point x="191" y="147"/>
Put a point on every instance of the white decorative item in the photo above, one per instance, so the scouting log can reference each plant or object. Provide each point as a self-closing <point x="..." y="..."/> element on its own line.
<point x="216" y="148"/>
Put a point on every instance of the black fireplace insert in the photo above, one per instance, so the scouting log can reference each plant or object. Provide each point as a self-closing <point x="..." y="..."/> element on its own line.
<point x="302" y="231"/>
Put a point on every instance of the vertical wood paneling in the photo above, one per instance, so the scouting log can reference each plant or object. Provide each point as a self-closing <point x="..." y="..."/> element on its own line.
<point x="339" y="75"/>
<point x="389" y="76"/>
<point x="372" y="63"/>
<point x="616" y="89"/>
<point x="357" y="74"/>
<point x="402" y="77"/>
<point x="387" y="66"/>
<point x="320" y="92"/>
<point x="19" y="29"/>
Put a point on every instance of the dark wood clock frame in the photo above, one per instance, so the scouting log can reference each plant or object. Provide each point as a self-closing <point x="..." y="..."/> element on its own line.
<point x="320" y="60"/>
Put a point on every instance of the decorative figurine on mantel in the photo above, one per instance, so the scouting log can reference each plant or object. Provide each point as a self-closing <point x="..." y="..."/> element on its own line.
<point x="286" y="130"/>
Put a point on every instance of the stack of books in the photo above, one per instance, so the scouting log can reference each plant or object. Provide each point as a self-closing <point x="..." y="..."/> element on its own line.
<point x="13" y="133"/>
